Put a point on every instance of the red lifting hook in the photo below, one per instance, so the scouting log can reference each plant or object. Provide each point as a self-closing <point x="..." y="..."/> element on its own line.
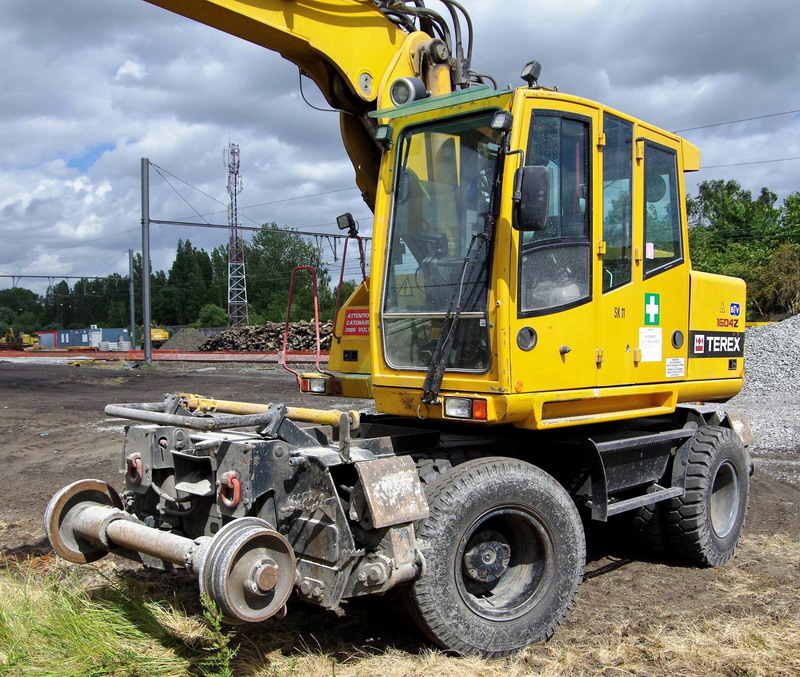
<point x="230" y="490"/>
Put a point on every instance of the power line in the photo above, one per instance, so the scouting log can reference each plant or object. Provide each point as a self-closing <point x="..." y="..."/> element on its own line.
<point x="66" y="277"/>
<point x="210" y="197"/>
<point x="175" y="190"/>
<point x="69" y="246"/>
<point x="287" y="231"/>
<point x="732" y="122"/>
<point x="287" y="199"/>
<point x="754" y="162"/>
<point x="105" y="260"/>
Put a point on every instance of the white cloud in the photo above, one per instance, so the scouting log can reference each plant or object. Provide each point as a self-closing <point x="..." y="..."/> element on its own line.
<point x="130" y="69"/>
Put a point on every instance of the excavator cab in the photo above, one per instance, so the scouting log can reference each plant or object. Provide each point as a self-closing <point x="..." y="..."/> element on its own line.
<point x="530" y="263"/>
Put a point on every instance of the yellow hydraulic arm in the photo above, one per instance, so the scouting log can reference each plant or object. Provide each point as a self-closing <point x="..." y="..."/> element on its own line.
<point x="349" y="48"/>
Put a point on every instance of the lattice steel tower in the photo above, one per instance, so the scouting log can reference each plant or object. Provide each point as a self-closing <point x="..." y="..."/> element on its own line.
<point x="237" y="282"/>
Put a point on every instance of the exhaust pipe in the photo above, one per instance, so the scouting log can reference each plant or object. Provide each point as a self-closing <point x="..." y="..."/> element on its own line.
<point x="247" y="568"/>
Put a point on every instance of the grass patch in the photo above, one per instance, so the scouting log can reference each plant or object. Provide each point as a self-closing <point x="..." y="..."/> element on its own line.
<point x="741" y="620"/>
<point x="82" y="621"/>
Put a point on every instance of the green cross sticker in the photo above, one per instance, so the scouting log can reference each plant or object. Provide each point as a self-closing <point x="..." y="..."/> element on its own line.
<point x="652" y="309"/>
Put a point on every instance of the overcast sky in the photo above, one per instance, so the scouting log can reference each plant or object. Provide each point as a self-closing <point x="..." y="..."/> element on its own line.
<point x="88" y="87"/>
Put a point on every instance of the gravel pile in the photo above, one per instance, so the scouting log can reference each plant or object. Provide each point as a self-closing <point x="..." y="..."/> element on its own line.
<point x="771" y="397"/>
<point x="185" y="339"/>
<point x="772" y="358"/>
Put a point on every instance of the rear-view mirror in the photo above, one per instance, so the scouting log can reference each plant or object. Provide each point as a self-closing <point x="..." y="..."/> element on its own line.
<point x="531" y="197"/>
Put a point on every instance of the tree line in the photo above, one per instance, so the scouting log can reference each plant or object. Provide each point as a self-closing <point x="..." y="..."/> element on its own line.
<point x="731" y="232"/>
<point x="193" y="292"/>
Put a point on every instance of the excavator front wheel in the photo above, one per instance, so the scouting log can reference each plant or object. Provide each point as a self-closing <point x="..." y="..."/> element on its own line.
<point x="504" y="555"/>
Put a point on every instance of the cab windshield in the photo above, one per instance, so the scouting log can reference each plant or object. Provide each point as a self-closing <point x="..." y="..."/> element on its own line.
<point x="440" y="242"/>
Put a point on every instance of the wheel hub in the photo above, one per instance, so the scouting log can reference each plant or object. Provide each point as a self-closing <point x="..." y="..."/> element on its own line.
<point x="488" y="558"/>
<point x="724" y="500"/>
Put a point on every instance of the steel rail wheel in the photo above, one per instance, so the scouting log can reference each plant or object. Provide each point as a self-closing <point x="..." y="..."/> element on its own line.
<point x="504" y="554"/>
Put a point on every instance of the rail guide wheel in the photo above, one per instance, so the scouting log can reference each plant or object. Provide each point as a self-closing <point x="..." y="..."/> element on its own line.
<point x="62" y="511"/>
<point x="248" y="571"/>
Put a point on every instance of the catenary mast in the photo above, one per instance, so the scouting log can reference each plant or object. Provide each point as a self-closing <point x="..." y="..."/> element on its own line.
<point x="237" y="283"/>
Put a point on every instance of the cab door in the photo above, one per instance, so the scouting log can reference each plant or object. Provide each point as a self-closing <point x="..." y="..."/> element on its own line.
<point x="661" y="261"/>
<point x="618" y="288"/>
<point x="554" y="329"/>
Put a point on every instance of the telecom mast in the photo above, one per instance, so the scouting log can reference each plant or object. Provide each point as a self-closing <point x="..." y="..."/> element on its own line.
<point x="237" y="287"/>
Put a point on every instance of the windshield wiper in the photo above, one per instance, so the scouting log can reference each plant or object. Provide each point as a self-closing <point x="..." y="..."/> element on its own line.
<point x="438" y="365"/>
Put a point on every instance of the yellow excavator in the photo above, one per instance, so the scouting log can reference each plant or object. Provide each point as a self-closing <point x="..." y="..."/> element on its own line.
<point x="532" y="334"/>
<point x="12" y="341"/>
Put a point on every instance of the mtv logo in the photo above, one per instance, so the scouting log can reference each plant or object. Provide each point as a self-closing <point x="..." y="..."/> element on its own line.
<point x="699" y="344"/>
<point x="736" y="309"/>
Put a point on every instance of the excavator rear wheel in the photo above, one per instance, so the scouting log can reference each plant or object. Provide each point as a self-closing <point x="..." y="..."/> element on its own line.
<point x="705" y="524"/>
<point x="504" y="554"/>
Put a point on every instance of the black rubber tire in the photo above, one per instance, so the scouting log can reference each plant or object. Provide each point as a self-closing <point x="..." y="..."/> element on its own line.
<point x="482" y="503"/>
<point x="647" y="527"/>
<point x="705" y="524"/>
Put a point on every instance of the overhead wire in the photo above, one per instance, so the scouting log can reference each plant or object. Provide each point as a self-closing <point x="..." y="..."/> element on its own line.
<point x="733" y="122"/>
<point x="102" y="270"/>
<point x="287" y="199"/>
<point x="189" y="204"/>
<point x="69" y="246"/>
<point x="753" y="162"/>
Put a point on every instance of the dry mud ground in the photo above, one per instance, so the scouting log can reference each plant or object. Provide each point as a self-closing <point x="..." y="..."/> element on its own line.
<point x="53" y="431"/>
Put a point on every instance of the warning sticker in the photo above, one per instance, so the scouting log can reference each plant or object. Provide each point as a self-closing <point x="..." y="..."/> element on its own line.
<point x="650" y="343"/>
<point x="405" y="288"/>
<point x="356" y="323"/>
<point x="676" y="367"/>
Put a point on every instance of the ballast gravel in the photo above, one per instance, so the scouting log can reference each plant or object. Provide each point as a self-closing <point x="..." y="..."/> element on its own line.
<point x="771" y="397"/>
<point x="772" y="358"/>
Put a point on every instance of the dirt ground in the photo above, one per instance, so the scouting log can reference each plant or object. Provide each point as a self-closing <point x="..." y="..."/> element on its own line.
<point x="53" y="431"/>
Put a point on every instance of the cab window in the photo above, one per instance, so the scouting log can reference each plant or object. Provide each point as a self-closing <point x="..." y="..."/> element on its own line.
<point x="617" y="201"/>
<point x="555" y="261"/>
<point x="662" y="221"/>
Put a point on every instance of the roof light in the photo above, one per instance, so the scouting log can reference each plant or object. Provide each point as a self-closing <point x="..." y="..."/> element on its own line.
<point x="502" y="121"/>
<point x="406" y="90"/>
<point x="383" y="137"/>
<point x="347" y="222"/>
<point x="531" y="72"/>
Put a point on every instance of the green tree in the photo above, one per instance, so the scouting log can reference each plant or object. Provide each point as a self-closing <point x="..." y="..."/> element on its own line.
<point x="20" y="308"/>
<point x="777" y="289"/>
<point x="218" y="290"/>
<point x="731" y="213"/>
<point x="188" y="279"/>
<point x="270" y="259"/>
<point x="20" y="300"/>
<point x="213" y="316"/>
<point x="58" y="304"/>
<point x="733" y="233"/>
<point x="7" y="317"/>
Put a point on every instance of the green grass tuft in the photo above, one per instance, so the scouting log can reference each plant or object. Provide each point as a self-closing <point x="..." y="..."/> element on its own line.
<point x="54" y="624"/>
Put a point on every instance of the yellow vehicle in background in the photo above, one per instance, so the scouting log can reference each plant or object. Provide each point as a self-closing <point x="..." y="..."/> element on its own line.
<point x="158" y="336"/>
<point x="29" y="340"/>
<point x="532" y="335"/>
<point x="11" y="341"/>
